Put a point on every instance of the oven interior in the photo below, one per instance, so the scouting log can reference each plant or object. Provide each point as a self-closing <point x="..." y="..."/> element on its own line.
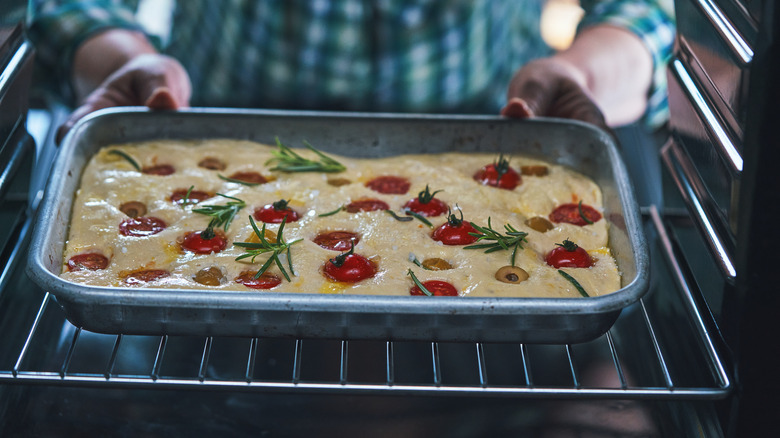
<point x="670" y="366"/>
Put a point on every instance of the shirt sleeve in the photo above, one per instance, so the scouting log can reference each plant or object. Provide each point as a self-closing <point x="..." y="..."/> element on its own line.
<point x="58" y="27"/>
<point x="653" y="22"/>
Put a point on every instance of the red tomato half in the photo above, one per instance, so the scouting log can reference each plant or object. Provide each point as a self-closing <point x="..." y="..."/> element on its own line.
<point x="91" y="261"/>
<point x="349" y="268"/>
<point x="570" y="213"/>
<point x="437" y="287"/>
<point x="389" y="185"/>
<point x="366" y="205"/>
<point x="160" y="169"/>
<point x="141" y="226"/>
<point x="194" y="197"/>
<point x="450" y="234"/>
<point x="275" y="213"/>
<point x="337" y="240"/>
<point x="194" y="242"/>
<point x="249" y="177"/>
<point x="265" y="281"/>
<point x="499" y="174"/>
<point x="569" y="255"/>
<point x="146" y="276"/>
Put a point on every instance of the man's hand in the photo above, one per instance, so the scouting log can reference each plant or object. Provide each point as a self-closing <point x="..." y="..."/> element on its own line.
<point x="119" y="68"/>
<point x="156" y="81"/>
<point x="603" y="78"/>
<point x="551" y="87"/>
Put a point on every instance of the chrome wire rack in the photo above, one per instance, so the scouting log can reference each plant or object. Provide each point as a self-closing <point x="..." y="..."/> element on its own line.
<point x="641" y="357"/>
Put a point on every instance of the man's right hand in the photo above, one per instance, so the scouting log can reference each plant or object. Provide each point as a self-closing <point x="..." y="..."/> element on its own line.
<point x="141" y="77"/>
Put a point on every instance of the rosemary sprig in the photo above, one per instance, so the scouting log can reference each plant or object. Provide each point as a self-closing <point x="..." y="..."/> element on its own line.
<point x="576" y="283"/>
<point x="128" y="158"/>
<point x="255" y="249"/>
<point x="237" y="181"/>
<point x="398" y="218"/>
<point x="582" y="214"/>
<point x="287" y="160"/>
<point x="221" y="215"/>
<point x="418" y="283"/>
<point x="513" y="239"/>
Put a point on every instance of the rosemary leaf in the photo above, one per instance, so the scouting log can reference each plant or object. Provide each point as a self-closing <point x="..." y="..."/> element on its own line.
<point x="398" y="218"/>
<point x="582" y="214"/>
<point x="576" y="283"/>
<point x="331" y="213"/>
<point x="418" y="283"/>
<point x="128" y="158"/>
<point x="237" y="181"/>
<point x="420" y="217"/>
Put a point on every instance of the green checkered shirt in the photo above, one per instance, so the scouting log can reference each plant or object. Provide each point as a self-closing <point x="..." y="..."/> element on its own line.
<point x="442" y="56"/>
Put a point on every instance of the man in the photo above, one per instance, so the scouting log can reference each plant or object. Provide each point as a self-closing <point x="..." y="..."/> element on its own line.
<point x="407" y="56"/>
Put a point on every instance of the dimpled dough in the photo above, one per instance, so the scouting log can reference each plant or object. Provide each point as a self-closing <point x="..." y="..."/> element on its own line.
<point x="109" y="180"/>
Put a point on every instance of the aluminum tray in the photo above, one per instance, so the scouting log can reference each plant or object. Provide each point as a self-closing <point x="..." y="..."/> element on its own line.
<point x="268" y="314"/>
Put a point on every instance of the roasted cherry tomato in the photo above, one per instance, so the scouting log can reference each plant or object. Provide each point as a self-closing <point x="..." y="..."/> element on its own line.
<point x="212" y="163"/>
<point x="275" y="213"/>
<point x="146" y="276"/>
<point x="91" y="261"/>
<point x="349" y="267"/>
<point x="437" y="287"/>
<point x="455" y="232"/>
<point x="196" y="242"/>
<point x="426" y="205"/>
<point x="265" y="281"/>
<point x="569" y="255"/>
<point x="389" y="185"/>
<point x="141" y="226"/>
<point x="249" y="177"/>
<point x="577" y="214"/>
<point x="160" y="169"/>
<point x="337" y="240"/>
<point x="182" y="196"/>
<point x="366" y="205"/>
<point x="499" y="174"/>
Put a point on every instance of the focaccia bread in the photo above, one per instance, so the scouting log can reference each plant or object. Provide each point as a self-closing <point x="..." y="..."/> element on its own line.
<point x="174" y="214"/>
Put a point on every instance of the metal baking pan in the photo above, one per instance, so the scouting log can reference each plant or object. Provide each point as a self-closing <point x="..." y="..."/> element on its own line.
<point x="182" y="312"/>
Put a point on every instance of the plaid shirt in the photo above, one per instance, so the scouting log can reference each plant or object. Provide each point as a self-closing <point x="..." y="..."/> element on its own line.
<point x="443" y="56"/>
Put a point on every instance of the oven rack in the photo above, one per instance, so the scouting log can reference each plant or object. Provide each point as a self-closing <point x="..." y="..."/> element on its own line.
<point x="640" y="355"/>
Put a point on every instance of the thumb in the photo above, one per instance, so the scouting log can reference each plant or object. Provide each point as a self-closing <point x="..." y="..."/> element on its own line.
<point x="517" y="108"/>
<point x="162" y="99"/>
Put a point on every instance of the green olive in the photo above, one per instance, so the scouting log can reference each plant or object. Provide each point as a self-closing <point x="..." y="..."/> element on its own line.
<point x="338" y="182"/>
<point x="539" y="224"/>
<point x="511" y="274"/>
<point x="211" y="276"/>
<point x="133" y="209"/>
<point x="436" y="264"/>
